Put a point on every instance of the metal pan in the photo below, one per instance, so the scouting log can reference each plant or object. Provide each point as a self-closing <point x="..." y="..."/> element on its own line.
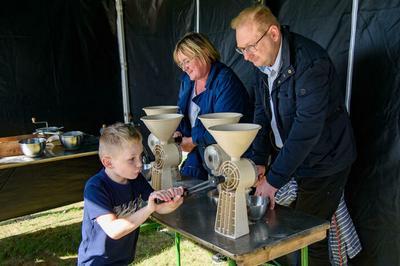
<point x="49" y="130"/>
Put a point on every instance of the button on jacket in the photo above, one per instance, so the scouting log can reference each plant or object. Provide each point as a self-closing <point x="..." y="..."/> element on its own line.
<point x="311" y="118"/>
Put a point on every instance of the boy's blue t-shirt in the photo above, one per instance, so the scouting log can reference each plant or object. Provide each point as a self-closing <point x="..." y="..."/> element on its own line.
<point x="104" y="196"/>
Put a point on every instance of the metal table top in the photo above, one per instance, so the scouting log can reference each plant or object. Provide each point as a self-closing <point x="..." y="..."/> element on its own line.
<point x="279" y="232"/>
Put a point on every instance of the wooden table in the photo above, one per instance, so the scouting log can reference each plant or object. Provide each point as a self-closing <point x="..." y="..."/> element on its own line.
<point x="280" y="232"/>
<point x="52" y="154"/>
<point x="29" y="185"/>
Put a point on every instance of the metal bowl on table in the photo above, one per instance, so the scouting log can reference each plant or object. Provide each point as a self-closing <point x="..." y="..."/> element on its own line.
<point x="256" y="207"/>
<point x="71" y="140"/>
<point x="213" y="195"/>
<point x="33" y="147"/>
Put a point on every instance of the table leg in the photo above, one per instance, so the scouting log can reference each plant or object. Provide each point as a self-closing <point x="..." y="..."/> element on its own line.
<point x="178" y="248"/>
<point x="304" y="256"/>
<point x="231" y="262"/>
<point x="149" y="226"/>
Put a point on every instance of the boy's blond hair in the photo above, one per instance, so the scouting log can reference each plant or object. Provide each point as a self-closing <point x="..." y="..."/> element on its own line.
<point x="195" y="44"/>
<point x="116" y="135"/>
<point x="259" y="14"/>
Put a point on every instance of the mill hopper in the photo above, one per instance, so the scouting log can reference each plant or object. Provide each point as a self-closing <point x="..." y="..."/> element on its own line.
<point x="167" y="154"/>
<point x="214" y="119"/>
<point x="234" y="139"/>
<point x="160" y="109"/>
<point x="214" y="156"/>
<point x="162" y="125"/>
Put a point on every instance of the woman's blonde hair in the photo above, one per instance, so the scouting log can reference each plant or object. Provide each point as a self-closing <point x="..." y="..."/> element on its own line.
<point x="116" y="136"/>
<point x="258" y="14"/>
<point x="196" y="45"/>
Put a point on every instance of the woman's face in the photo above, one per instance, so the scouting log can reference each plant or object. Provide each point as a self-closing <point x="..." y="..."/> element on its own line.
<point x="193" y="66"/>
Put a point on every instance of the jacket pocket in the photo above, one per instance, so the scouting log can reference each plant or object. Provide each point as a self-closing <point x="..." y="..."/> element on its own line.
<point x="286" y="104"/>
<point x="322" y="152"/>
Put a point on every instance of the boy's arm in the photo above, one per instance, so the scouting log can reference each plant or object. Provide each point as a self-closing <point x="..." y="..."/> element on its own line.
<point x="117" y="228"/>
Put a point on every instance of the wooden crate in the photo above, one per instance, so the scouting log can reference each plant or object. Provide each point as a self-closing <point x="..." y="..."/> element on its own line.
<point x="9" y="146"/>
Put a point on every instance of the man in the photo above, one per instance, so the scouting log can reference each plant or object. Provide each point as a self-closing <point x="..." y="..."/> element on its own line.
<point x="305" y="126"/>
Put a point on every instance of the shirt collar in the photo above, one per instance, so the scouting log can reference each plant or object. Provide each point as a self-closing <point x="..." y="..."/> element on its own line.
<point x="272" y="70"/>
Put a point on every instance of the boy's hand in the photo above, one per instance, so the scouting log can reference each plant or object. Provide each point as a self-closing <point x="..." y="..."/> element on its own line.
<point x="161" y="195"/>
<point x="172" y="199"/>
<point x="175" y="191"/>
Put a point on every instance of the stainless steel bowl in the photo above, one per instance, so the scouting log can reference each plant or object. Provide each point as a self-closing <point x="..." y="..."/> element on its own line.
<point x="256" y="207"/>
<point x="33" y="147"/>
<point x="213" y="195"/>
<point x="71" y="140"/>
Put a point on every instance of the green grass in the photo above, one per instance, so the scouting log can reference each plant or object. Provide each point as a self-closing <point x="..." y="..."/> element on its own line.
<point x="52" y="238"/>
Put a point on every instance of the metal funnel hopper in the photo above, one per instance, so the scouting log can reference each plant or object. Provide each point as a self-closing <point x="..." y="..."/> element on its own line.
<point x="162" y="125"/>
<point x="214" y="119"/>
<point x="234" y="139"/>
<point x="160" y="109"/>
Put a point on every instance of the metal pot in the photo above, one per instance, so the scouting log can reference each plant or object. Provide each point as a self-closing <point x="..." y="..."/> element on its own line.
<point x="256" y="207"/>
<point x="213" y="195"/>
<point x="49" y="130"/>
<point x="71" y="140"/>
<point x="33" y="147"/>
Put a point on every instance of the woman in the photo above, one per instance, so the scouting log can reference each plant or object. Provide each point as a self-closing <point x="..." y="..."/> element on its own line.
<point x="207" y="86"/>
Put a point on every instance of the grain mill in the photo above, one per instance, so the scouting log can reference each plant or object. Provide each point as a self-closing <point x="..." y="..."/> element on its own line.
<point x="167" y="153"/>
<point x="240" y="173"/>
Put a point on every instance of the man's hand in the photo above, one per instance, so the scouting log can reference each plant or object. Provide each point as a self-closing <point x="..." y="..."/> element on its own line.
<point x="260" y="170"/>
<point x="264" y="189"/>
<point x="260" y="173"/>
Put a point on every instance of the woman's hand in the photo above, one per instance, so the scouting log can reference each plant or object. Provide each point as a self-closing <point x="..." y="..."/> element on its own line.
<point x="177" y="134"/>
<point x="187" y="144"/>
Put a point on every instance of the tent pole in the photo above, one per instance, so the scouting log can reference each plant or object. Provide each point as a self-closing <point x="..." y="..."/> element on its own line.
<point x="197" y="27"/>
<point x="122" y="59"/>
<point x="350" y="62"/>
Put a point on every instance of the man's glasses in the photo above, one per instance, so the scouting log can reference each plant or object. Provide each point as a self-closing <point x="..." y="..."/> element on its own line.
<point x="252" y="47"/>
<point x="182" y="65"/>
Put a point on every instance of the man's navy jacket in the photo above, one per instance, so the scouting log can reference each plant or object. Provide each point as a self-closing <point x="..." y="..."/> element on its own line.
<point x="310" y="114"/>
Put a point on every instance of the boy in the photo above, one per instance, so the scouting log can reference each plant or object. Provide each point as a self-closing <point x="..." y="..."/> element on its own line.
<point x="112" y="199"/>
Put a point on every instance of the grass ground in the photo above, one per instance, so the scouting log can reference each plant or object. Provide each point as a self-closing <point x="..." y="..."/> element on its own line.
<point x="52" y="238"/>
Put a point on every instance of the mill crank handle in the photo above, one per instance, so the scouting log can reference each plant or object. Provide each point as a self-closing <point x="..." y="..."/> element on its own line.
<point x="178" y="140"/>
<point x="185" y="194"/>
<point x="211" y="183"/>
